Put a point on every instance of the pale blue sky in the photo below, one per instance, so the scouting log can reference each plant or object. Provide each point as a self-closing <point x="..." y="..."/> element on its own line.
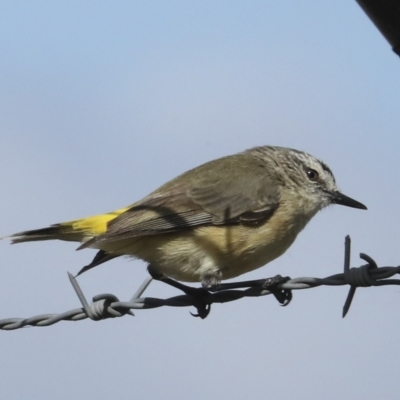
<point x="101" y="102"/>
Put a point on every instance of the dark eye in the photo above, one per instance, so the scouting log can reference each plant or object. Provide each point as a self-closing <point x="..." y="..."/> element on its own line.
<point x="312" y="174"/>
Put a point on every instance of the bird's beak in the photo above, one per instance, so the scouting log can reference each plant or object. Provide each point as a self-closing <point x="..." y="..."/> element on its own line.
<point x="340" y="198"/>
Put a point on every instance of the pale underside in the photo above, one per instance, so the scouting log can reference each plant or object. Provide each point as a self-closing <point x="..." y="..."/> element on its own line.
<point x="225" y="251"/>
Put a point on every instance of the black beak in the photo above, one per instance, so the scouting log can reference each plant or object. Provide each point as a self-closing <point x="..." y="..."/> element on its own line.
<point x="340" y="198"/>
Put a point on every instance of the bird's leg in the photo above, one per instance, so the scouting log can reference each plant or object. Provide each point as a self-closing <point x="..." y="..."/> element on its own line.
<point x="211" y="281"/>
<point x="198" y="295"/>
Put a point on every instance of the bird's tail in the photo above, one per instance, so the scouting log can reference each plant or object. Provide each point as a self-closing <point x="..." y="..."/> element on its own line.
<point x="79" y="230"/>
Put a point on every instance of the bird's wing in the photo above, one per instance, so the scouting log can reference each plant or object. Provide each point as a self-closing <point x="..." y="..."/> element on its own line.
<point x="245" y="195"/>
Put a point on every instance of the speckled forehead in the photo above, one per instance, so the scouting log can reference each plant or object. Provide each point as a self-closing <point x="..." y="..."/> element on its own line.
<point x="290" y="157"/>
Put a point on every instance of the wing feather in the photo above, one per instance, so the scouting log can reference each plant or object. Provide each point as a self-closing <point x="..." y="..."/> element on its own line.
<point x="199" y="198"/>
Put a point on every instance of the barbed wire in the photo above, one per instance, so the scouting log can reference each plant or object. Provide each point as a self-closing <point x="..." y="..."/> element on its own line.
<point x="108" y="306"/>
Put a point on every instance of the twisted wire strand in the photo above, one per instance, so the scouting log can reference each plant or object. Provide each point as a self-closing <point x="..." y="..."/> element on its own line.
<point x="109" y="306"/>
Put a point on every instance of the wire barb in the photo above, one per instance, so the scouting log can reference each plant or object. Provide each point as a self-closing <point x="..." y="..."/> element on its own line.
<point x="109" y="306"/>
<point x="102" y="304"/>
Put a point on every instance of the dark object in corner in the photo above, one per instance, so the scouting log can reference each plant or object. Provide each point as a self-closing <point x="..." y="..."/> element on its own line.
<point x="385" y="14"/>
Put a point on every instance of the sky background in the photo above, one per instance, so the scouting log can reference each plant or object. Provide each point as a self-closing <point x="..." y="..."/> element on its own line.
<point x="102" y="102"/>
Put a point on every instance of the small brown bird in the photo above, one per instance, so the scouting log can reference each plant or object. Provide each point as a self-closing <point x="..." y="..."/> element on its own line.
<point x="217" y="221"/>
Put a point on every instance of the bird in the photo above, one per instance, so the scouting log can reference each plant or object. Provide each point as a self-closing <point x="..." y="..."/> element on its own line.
<point x="214" y="222"/>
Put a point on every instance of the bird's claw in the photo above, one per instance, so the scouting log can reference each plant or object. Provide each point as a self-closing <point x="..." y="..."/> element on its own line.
<point x="284" y="296"/>
<point x="197" y="294"/>
<point x="202" y="310"/>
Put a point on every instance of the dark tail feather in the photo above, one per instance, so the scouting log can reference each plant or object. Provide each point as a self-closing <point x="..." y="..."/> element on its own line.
<point x="100" y="258"/>
<point x="52" y="232"/>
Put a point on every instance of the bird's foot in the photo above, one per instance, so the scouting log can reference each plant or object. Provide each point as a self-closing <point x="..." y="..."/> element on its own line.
<point x="199" y="295"/>
<point x="284" y="296"/>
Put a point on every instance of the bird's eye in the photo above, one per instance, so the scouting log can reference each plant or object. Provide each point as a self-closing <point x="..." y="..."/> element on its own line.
<point x="312" y="174"/>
